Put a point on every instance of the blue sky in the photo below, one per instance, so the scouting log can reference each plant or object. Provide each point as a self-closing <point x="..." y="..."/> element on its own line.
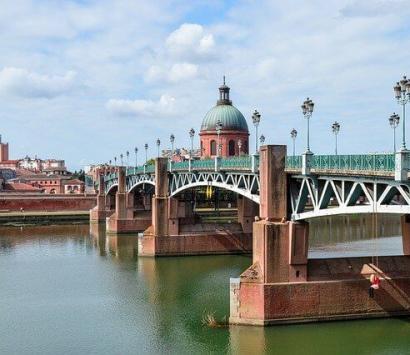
<point x="88" y="80"/>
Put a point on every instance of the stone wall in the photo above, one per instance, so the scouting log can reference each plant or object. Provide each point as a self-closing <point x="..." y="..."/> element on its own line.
<point x="49" y="203"/>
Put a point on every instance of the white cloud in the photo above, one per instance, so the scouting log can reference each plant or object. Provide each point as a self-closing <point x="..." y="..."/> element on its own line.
<point x="190" y="40"/>
<point x="164" y="106"/>
<point x="177" y="73"/>
<point x="22" y="83"/>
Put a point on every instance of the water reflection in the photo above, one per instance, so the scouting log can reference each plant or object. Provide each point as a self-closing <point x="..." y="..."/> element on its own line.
<point x="74" y="290"/>
<point x="355" y="235"/>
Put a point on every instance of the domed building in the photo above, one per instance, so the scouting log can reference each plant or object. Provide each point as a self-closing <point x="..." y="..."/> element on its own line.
<point x="233" y="129"/>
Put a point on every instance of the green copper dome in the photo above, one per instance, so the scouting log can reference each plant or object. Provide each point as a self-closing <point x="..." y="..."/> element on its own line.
<point x="229" y="116"/>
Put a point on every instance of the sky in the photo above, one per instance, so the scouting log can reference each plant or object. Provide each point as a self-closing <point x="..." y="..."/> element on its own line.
<point x="88" y="80"/>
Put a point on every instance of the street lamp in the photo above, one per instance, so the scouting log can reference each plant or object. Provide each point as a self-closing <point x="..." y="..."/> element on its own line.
<point x="128" y="156"/>
<point x="394" y="121"/>
<point x="262" y="139"/>
<point x="158" y="145"/>
<point x="402" y="94"/>
<point x="121" y="157"/>
<point x="146" y="152"/>
<point x="293" y="135"/>
<point x="256" y="118"/>
<point x="335" y="130"/>
<point x="218" y="128"/>
<point x="115" y="161"/>
<point x="307" y="110"/>
<point x="191" y="135"/>
<point x="172" y="139"/>
<point x="110" y="162"/>
<point x="239" y="146"/>
<point x="136" y="156"/>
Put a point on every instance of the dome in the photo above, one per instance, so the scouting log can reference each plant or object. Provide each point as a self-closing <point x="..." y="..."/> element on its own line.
<point x="230" y="117"/>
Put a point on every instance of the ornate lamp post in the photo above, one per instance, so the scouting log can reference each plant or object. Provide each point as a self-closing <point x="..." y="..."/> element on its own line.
<point x="122" y="160"/>
<point x="293" y="135"/>
<point x="127" y="153"/>
<point x="218" y="128"/>
<point x="307" y="110"/>
<point x="110" y="162"/>
<point x="394" y="121"/>
<point x="172" y="140"/>
<point x="191" y="135"/>
<point x="402" y="94"/>
<point x="115" y="161"/>
<point x="256" y="118"/>
<point x="146" y="152"/>
<point x="158" y="145"/>
<point x="136" y="156"/>
<point x="262" y="139"/>
<point x="336" y="130"/>
<point x="239" y="146"/>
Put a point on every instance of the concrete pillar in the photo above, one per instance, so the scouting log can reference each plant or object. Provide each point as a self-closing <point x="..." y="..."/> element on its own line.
<point x="160" y="199"/>
<point x="307" y="162"/>
<point x="99" y="212"/>
<point x="273" y="197"/>
<point x="101" y="194"/>
<point x="402" y="165"/>
<point x="121" y="195"/>
<point x="247" y="210"/>
<point x="405" y="231"/>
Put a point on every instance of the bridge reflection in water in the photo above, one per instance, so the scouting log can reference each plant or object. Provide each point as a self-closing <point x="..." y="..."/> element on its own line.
<point x="355" y="235"/>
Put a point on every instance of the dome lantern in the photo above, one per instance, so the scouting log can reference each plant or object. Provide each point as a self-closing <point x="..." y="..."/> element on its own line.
<point x="224" y="94"/>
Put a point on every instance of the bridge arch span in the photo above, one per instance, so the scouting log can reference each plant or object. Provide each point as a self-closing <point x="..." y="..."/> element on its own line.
<point x="112" y="188"/>
<point x="139" y="183"/>
<point x="239" y="191"/>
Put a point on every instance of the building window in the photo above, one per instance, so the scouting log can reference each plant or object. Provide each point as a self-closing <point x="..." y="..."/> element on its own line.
<point x="231" y="147"/>
<point x="213" y="147"/>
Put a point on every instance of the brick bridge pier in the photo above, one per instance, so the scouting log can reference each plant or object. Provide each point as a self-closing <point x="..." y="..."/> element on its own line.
<point x="283" y="286"/>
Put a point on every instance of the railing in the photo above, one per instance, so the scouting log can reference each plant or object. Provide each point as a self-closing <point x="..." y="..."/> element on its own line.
<point x="294" y="162"/>
<point x="356" y="162"/>
<point x="360" y="163"/>
<point x="236" y="163"/>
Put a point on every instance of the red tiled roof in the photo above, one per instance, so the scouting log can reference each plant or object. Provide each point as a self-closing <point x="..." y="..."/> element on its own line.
<point x="19" y="186"/>
<point x="73" y="182"/>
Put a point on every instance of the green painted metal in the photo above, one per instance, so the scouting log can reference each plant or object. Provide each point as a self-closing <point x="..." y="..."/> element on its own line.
<point x="294" y="162"/>
<point x="357" y="162"/>
<point x="230" y="117"/>
<point x="237" y="163"/>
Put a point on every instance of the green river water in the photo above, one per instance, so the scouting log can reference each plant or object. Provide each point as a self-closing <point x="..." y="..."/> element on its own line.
<point x="64" y="291"/>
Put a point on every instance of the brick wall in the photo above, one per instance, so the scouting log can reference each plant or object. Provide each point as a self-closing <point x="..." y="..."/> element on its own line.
<point x="52" y="203"/>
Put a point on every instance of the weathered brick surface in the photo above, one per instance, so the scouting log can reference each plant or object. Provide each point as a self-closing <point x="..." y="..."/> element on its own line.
<point x="208" y="243"/>
<point x="335" y="290"/>
<point x="51" y="203"/>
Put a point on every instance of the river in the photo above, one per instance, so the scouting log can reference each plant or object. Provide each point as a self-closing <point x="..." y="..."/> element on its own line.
<point x="64" y="291"/>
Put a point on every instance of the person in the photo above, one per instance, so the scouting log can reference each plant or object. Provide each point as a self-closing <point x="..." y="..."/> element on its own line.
<point x="374" y="284"/>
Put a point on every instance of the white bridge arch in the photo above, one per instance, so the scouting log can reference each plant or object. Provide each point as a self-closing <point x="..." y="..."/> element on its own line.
<point x="317" y="196"/>
<point x="245" y="184"/>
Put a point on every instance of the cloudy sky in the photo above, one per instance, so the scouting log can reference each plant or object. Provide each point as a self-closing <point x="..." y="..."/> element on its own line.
<point x="87" y="80"/>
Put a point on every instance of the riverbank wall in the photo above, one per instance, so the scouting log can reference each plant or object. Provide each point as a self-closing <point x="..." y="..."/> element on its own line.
<point x="46" y="203"/>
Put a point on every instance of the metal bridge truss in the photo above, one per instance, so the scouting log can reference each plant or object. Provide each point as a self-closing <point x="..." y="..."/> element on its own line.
<point x="315" y="196"/>
<point x="243" y="183"/>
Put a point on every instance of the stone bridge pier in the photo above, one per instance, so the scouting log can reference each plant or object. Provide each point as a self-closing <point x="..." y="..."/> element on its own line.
<point x="102" y="210"/>
<point x="283" y="286"/>
<point x="175" y="231"/>
<point x="125" y="218"/>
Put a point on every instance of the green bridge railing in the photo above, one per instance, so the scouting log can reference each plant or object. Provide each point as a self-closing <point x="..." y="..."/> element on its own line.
<point x="355" y="162"/>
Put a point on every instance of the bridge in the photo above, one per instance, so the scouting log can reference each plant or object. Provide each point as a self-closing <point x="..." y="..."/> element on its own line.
<point x="335" y="184"/>
<point x="277" y="195"/>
